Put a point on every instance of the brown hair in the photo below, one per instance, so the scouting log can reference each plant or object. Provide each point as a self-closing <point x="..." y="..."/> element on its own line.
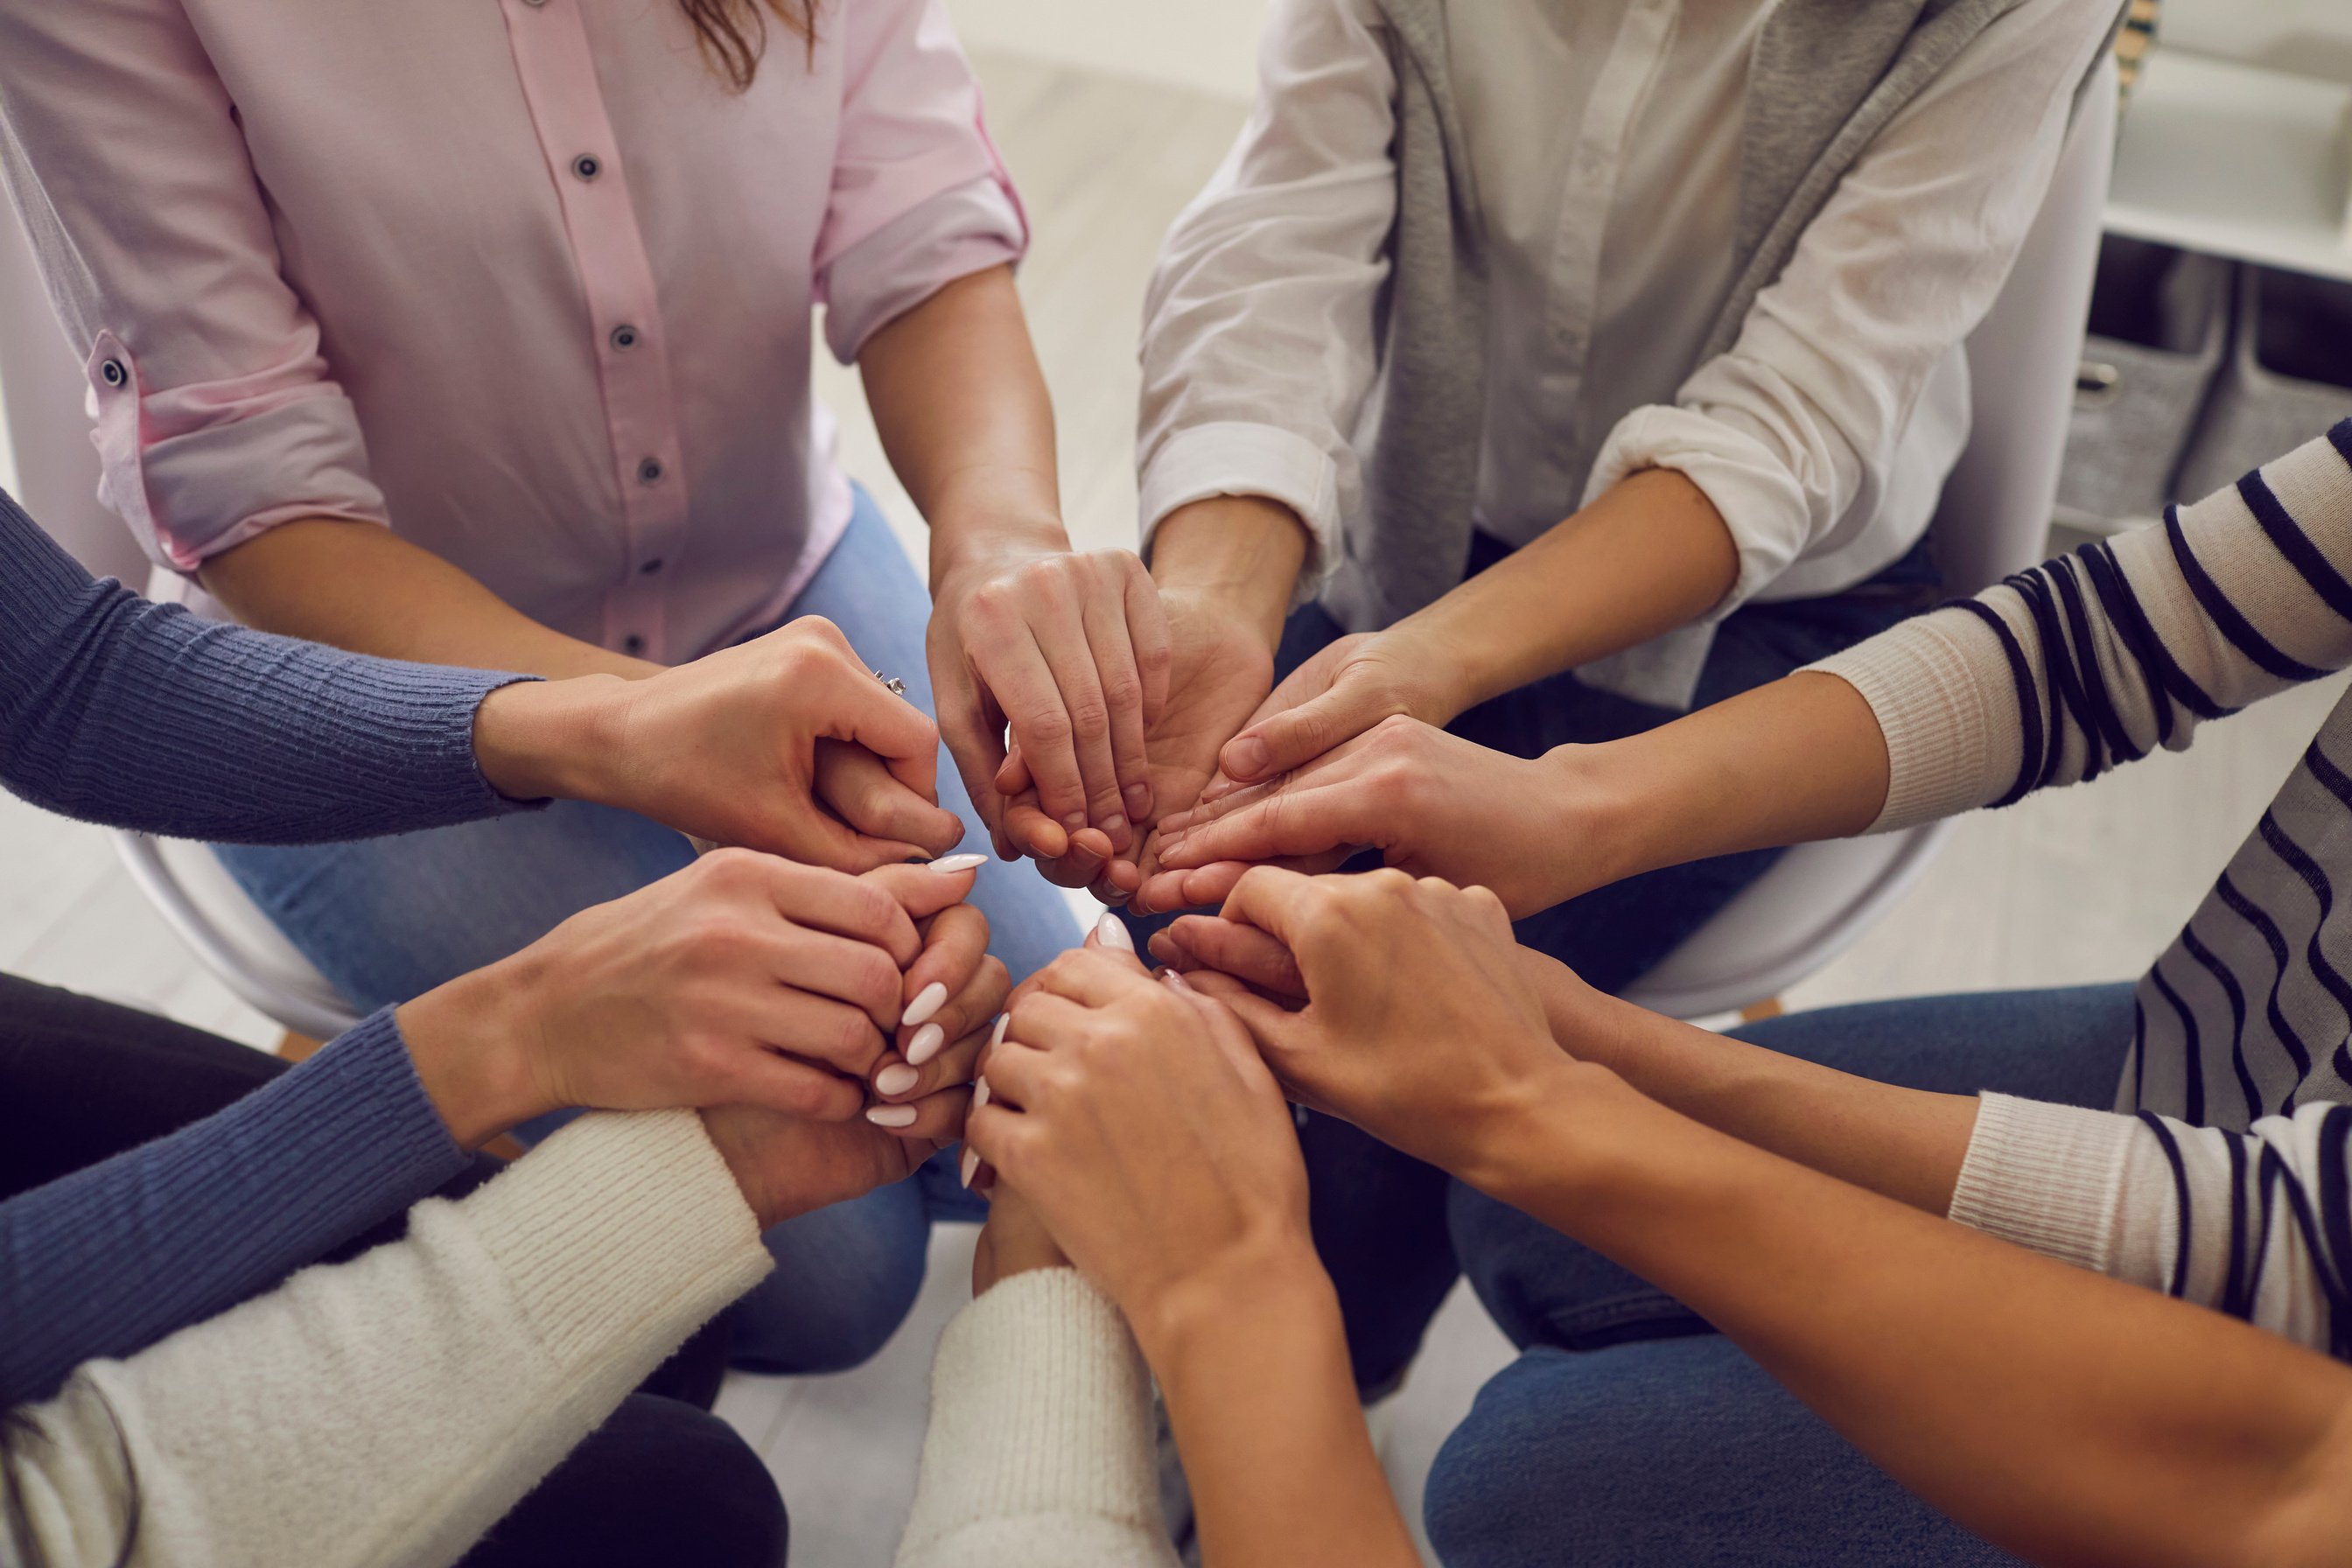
<point x="733" y="34"/>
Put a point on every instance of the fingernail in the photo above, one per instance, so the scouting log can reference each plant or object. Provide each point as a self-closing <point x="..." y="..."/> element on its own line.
<point x="926" y="1043"/>
<point x="928" y="1001"/>
<point x="952" y="864"/>
<point x="890" y="1115"/>
<point x="979" y="1093"/>
<point x="1138" y="800"/>
<point x="897" y="1078"/>
<point x="1004" y="1022"/>
<point x="1248" y="756"/>
<point x="1111" y="932"/>
<point x="967" y="1165"/>
<point x="1075" y="821"/>
<point x="1175" y="981"/>
<point x="1114" y="825"/>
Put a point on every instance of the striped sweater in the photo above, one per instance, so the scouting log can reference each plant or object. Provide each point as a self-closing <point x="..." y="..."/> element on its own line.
<point x="2224" y="1172"/>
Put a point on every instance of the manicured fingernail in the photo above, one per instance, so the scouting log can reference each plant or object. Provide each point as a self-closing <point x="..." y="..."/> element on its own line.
<point x="951" y="865"/>
<point x="1246" y="757"/>
<point x="926" y="1043"/>
<point x="1175" y="981"/>
<point x="1138" y="800"/>
<point x="890" y="1115"/>
<point x="1110" y="931"/>
<point x="979" y="1093"/>
<point x="928" y="1001"/>
<point x="967" y="1165"/>
<point x="996" y="1038"/>
<point x="897" y="1078"/>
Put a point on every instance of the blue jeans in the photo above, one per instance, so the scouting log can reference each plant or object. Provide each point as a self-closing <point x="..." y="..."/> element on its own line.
<point x="1378" y="1216"/>
<point x="1628" y="1432"/>
<point x="389" y="918"/>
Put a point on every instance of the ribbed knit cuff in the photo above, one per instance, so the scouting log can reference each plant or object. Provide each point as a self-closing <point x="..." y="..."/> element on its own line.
<point x="622" y="1228"/>
<point x="2045" y="1176"/>
<point x="1945" y="702"/>
<point x="1041" y="1405"/>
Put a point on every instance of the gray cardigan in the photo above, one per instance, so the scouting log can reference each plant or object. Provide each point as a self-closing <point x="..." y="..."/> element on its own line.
<point x="1827" y="77"/>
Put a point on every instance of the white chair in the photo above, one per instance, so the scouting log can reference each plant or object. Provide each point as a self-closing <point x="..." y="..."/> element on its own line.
<point x="1994" y="519"/>
<point x="57" y="475"/>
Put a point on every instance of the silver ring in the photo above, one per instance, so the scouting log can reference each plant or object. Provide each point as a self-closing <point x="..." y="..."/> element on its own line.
<point x="895" y="687"/>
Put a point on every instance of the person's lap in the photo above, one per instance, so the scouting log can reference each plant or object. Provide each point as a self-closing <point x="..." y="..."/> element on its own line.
<point x="387" y="919"/>
<point x="1631" y="1432"/>
<point x="83" y="1080"/>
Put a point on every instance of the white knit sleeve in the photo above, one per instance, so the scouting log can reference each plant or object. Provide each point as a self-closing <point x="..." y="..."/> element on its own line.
<point x="2096" y="658"/>
<point x="389" y="1410"/>
<point x="1039" y="1453"/>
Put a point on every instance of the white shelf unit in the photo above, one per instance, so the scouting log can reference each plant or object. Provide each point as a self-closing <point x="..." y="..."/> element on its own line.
<point x="2239" y="161"/>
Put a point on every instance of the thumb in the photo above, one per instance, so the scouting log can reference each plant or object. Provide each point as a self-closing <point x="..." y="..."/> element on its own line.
<point x="923" y="891"/>
<point x="1297" y="736"/>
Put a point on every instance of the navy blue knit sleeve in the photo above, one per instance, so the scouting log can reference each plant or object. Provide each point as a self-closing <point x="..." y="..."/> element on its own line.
<point x="113" y="1258"/>
<point x="141" y="715"/>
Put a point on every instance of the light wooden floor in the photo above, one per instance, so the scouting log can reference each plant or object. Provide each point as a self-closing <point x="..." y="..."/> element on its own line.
<point x="1103" y="165"/>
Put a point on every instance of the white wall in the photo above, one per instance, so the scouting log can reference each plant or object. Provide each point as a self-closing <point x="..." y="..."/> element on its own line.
<point x="1209" y="44"/>
<point x="2311" y="38"/>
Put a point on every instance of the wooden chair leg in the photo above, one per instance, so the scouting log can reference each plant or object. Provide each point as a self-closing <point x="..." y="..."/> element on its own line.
<point x="1757" y="1012"/>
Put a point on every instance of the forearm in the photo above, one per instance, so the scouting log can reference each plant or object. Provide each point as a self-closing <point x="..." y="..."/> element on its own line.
<point x="1649" y="556"/>
<point x="964" y="418"/>
<point x="1267" y="1418"/>
<point x="1903" y="1143"/>
<point x="1799" y="760"/>
<point x="2060" y="1413"/>
<point x="356" y="586"/>
<point x="1243" y="553"/>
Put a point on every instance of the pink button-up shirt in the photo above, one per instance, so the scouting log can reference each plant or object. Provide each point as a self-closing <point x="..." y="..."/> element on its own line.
<point x="521" y="278"/>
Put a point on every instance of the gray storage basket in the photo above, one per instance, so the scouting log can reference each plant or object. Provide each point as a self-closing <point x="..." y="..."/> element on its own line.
<point x="2288" y="380"/>
<point x="2160" y="327"/>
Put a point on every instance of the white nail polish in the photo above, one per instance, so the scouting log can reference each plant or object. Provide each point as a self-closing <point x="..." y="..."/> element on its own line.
<point x="1110" y="931"/>
<point x="1175" y="981"/>
<point x="950" y="865"/>
<point x="979" y="1093"/>
<point x="928" y="1001"/>
<point x="967" y="1165"/>
<point x="897" y="1078"/>
<point x="1004" y="1022"/>
<point x="890" y="1115"/>
<point x="926" y="1043"/>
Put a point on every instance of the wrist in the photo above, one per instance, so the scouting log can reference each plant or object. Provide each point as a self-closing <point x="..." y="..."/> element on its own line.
<point x="1264" y="1274"/>
<point x="1242" y="553"/>
<point x="1538" y="1136"/>
<point x="1594" y="802"/>
<point x="980" y="533"/>
<point x="539" y="740"/>
<point x="471" y="1045"/>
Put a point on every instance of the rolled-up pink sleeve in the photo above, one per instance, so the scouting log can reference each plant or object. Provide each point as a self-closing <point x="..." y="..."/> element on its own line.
<point x="216" y="416"/>
<point x="919" y="195"/>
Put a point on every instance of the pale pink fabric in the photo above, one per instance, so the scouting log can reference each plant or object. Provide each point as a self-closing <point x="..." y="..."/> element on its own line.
<point x="346" y="261"/>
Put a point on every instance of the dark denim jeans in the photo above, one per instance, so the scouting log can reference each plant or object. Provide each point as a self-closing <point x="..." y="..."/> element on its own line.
<point x="1628" y="1432"/>
<point x="1380" y="1216"/>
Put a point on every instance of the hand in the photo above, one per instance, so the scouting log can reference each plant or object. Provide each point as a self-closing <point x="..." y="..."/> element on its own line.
<point x="788" y="1165"/>
<point x="1136" y="1117"/>
<point x="1345" y="690"/>
<point x="953" y="991"/>
<point x="1420" y="1026"/>
<point x="1433" y="804"/>
<point x="742" y="978"/>
<point x="1220" y="668"/>
<point x="748" y="746"/>
<point x="1070" y="651"/>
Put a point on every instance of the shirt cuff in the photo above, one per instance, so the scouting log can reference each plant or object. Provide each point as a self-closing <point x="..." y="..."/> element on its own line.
<point x="2049" y="1177"/>
<point x="1041" y="1410"/>
<point x="620" y="1235"/>
<point x="967" y="229"/>
<point x="1941" y="688"/>
<point x="1235" y="458"/>
<point x="1760" y="501"/>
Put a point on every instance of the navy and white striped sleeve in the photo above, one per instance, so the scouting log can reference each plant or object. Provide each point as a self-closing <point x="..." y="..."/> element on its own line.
<point x="2095" y="659"/>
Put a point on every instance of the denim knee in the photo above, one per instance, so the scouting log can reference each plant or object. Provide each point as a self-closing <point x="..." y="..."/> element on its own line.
<point x="1542" y="1289"/>
<point x="845" y="1278"/>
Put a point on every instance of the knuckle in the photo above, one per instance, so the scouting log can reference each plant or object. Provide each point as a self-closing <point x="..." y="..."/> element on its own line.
<point x="1122" y="688"/>
<point x="1090" y="718"/>
<point x="1050" y="733"/>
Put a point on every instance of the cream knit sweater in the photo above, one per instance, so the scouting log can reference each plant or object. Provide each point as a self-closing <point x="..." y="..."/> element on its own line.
<point x="387" y="1411"/>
